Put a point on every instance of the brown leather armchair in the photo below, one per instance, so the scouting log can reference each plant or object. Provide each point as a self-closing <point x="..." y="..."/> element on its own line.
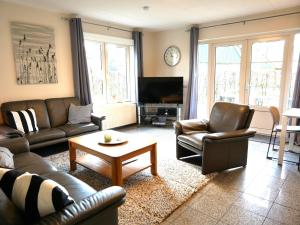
<point x="222" y="142"/>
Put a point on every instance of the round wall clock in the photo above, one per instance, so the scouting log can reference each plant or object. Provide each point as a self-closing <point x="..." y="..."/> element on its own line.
<point x="172" y="56"/>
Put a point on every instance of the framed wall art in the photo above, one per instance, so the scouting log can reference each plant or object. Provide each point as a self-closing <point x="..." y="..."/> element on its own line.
<point x="34" y="52"/>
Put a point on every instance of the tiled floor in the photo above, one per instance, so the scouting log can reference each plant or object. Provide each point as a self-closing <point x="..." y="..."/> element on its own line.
<point x="262" y="193"/>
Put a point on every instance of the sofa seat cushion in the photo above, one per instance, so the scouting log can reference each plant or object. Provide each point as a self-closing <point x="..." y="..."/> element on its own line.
<point x="75" y="129"/>
<point x="32" y="163"/>
<point x="77" y="189"/>
<point x="45" y="135"/>
<point x="194" y="139"/>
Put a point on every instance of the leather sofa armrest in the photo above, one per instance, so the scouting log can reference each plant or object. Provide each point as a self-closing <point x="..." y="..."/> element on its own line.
<point x="10" y="132"/>
<point x="98" y="120"/>
<point x="16" y="145"/>
<point x="244" y="133"/>
<point x="89" y="207"/>
<point x="190" y="126"/>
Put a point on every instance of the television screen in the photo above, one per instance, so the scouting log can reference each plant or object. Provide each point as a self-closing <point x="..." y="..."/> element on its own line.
<point x="161" y="90"/>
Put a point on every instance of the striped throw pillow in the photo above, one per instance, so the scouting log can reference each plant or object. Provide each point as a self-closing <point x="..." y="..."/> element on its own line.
<point x="34" y="195"/>
<point x="23" y="120"/>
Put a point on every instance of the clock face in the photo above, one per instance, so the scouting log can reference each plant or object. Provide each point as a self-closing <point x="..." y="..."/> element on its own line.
<point x="172" y="56"/>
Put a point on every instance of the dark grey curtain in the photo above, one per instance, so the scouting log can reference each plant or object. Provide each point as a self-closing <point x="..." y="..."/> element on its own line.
<point x="80" y="70"/>
<point x="192" y="92"/>
<point x="296" y="97"/>
<point x="138" y="52"/>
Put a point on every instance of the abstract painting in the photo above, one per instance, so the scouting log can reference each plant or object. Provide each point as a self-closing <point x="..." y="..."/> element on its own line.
<point x="34" y="51"/>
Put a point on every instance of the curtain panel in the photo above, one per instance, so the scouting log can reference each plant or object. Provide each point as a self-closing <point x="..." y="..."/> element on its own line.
<point x="192" y="92"/>
<point x="80" y="69"/>
<point x="137" y="37"/>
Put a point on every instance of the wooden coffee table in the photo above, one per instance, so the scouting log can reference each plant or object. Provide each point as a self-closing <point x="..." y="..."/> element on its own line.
<point x="116" y="162"/>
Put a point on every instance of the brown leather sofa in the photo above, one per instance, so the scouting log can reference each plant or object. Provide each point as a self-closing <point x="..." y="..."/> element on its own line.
<point x="52" y="117"/>
<point x="90" y="207"/>
<point x="222" y="142"/>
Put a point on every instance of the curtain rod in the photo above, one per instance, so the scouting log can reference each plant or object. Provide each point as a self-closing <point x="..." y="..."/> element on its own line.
<point x="100" y="25"/>
<point x="247" y="20"/>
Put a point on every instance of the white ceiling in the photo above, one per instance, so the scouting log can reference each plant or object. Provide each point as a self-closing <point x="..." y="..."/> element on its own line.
<point x="163" y="14"/>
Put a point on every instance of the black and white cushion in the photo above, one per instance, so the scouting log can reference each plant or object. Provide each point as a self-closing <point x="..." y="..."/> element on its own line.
<point x="23" y="120"/>
<point x="33" y="194"/>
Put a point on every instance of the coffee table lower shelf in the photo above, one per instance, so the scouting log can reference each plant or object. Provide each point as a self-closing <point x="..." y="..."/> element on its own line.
<point x="104" y="168"/>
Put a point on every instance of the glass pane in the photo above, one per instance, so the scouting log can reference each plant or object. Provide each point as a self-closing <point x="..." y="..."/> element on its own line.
<point x="202" y="110"/>
<point x="117" y="82"/>
<point x="96" y="74"/>
<point x="227" y="75"/>
<point x="265" y="73"/>
<point x="295" y="59"/>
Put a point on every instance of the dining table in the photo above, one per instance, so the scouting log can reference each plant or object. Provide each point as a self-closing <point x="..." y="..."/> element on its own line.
<point x="292" y="113"/>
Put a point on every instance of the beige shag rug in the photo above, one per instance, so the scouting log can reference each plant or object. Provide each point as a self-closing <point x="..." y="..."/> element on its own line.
<point x="149" y="199"/>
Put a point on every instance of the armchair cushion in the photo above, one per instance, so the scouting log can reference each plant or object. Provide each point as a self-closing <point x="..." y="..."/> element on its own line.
<point x="227" y="117"/>
<point x="244" y="133"/>
<point x="191" y="126"/>
<point x="194" y="139"/>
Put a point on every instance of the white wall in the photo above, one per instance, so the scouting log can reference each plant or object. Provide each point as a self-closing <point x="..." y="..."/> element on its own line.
<point x="10" y="90"/>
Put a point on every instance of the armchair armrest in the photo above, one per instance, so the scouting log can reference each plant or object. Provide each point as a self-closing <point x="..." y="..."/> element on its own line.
<point x="97" y="120"/>
<point x="244" y="133"/>
<point x="86" y="209"/>
<point x="16" y="145"/>
<point x="10" y="132"/>
<point x="190" y="126"/>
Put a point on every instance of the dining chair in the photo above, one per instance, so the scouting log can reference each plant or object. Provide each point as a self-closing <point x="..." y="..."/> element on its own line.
<point x="277" y="128"/>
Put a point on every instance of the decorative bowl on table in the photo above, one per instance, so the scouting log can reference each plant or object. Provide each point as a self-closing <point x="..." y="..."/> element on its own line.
<point x="110" y="137"/>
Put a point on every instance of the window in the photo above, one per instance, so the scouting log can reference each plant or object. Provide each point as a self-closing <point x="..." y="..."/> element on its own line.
<point x="227" y="73"/>
<point x="202" y="109"/>
<point x="95" y="70"/>
<point x="295" y="59"/>
<point x="110" y="67"/>
<point x="117" y="73"/>
<point x="265" y="73"/>
<point x="248" y="71"/>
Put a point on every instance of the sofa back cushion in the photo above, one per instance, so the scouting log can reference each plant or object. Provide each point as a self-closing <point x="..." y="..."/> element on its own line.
<point x="39" y="107"/>
<point x="228" y="117"/>
<point x="58" y="109"/>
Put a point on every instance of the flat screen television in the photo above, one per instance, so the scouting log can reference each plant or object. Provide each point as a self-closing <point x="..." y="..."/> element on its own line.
<point x="161" y="90"/>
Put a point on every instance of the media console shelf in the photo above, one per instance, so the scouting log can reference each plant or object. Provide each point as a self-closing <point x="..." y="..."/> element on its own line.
<point x="159" y="114"/>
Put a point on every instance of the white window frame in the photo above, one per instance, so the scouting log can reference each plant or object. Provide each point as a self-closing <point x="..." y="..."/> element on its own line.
<point x="246" y="42"/>
<point x="104" y="40"/>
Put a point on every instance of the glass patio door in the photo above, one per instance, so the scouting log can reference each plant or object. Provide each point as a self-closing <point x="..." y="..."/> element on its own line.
<point x="227" y="73"/>
<point x="265" y="80"/>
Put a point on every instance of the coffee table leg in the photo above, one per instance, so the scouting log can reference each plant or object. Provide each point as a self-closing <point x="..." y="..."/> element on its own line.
<point x="72" y="153"/>
<point x="117" y="172"/>
<point x="153" y="156"/>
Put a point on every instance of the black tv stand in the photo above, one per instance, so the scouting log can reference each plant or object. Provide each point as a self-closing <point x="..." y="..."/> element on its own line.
<point x="158" y="114"/>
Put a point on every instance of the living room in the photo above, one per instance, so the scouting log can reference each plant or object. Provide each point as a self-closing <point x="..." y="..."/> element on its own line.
<point x="215" y="54"/>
